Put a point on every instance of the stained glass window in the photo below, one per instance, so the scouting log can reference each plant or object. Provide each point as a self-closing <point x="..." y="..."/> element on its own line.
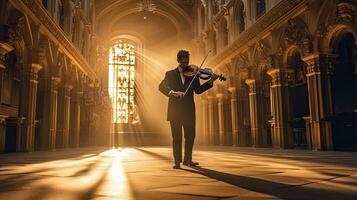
<point x="121" y="81"/>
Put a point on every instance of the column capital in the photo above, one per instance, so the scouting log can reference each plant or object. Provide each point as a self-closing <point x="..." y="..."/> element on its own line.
<point x="320" y="63"/>
<point x="3" y="119"/>
<point x="210" y="97"/>
<point x="252" y="83"/>
<point x="35" y="67"/>
<point x="280" y="77"/>
<point x="219" y="96"/>
<point x="4" y="49"/>
<point x="232" y="89"/>
<point x="77" y="95"/>
<point x="68" y="87"/>
<point x="30" y="72"/>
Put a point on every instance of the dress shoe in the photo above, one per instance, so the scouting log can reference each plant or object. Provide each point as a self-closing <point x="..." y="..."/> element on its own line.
<point x="190" y="163"/>
<point x="176" y="166"/>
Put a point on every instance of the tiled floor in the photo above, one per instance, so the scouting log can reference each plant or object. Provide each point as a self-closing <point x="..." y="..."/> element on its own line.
<point x="146" y="173"/>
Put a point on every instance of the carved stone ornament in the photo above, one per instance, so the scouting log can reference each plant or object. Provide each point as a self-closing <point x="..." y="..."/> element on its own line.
<point x="346" y="13"/>
<point x="296" y="32"/>
<point x="263" y="55"/>
<point x="16" y="30"/>
<point x="4" y="49"/>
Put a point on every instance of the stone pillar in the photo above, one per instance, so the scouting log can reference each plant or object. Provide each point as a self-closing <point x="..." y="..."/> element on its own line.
<point x="221" y="118"/>
<point x="4" y="49"/>
<point x="319" y="70"/>
<point x="282" y="136"/>
<point x="243" y="116"/>
<point x="234" y="115"/>
<point x="75" y="118"/>
<point x="63" y="116"/>
<point x="28" y="105"/>
<point x="2" y="133"/>
<point x="205" y="121"/>
<point x="49" y="115"/>
<point x="256" y="114"/>
<point x="308" y="131"/>
<point x="211" y="120"/>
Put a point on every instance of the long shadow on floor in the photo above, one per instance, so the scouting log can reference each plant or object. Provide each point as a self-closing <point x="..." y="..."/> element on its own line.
<point x="317" y="157"/>
<point x="280" y="190"/>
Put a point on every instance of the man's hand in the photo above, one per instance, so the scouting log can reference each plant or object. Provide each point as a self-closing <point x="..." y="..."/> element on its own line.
<point x="177" y="94"/>
<point x="213" y="78"/>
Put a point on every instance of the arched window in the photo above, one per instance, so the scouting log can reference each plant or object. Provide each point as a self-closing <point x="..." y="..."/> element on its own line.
<point x="260" y="7"/>
<point x="122" y="64"/>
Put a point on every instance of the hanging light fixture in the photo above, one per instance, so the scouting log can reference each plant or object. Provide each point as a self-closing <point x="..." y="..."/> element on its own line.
<point x="146" y="6"/>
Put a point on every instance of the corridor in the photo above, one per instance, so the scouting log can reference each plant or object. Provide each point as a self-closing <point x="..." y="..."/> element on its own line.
<point x="146" y="173"/>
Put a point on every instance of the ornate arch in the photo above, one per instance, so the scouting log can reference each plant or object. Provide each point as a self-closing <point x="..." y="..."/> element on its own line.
<point x="333" y="37"/>
<point x="341" y="19"/>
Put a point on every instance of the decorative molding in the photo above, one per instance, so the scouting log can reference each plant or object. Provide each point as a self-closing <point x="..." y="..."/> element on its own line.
<point x="320" y="63"/>
<point x="38" y="13"/>
<point x="4" y="49"/>
<point x="280" y="77"/>
<point x="279" y="12"/>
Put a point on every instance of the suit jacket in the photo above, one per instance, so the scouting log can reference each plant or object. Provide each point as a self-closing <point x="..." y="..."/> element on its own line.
<point x="180" y="109"/>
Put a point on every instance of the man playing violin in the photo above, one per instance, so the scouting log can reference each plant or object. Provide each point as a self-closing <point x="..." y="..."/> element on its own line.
<point x="181" y="107"/>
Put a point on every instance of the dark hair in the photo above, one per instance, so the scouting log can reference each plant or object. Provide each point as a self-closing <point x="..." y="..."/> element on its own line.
<point x="182" y="54"/>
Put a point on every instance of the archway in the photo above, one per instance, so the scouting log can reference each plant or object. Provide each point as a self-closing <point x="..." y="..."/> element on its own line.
<point x="299" y="101"/>
<point x="344" y="81"/>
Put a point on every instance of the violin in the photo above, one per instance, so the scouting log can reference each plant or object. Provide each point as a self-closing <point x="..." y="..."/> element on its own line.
<point x="194" y="71"/>
<point x="203" y="73"/>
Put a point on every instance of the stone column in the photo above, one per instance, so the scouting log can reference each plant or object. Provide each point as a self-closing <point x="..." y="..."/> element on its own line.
<point x="308" y="132"/>
<point x="211" y="120"/>
<point x="282" y="136"/>
<point x="234" y="115"/>
<point x="243" y="116"/>
<point x="2" y="133"/>
<point x="28" y="105"/>
<point x="4" y="49"/>
<point x="205" y="121"/>
<point x="256" y="114"/>
<point x="63" y="116"/>
<point x="49" y="116"/>
<point x="319" y="70"/>
<point x="221" y="118"/>
<point x="75" y="118"/>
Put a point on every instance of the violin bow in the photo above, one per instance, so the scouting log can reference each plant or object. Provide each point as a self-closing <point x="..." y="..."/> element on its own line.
<point x="188" y="87"/>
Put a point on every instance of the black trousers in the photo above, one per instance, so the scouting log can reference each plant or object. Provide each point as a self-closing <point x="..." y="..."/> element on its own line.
<point x="189" y="134"/>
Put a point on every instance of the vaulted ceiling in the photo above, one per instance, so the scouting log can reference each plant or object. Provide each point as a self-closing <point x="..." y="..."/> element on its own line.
<point x="168" y="19"/>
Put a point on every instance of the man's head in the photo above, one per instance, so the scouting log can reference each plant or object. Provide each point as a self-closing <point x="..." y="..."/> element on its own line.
<point x="183" y="57"/>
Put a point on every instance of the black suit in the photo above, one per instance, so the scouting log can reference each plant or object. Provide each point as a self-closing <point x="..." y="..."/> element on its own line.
<point x="181" y="112"/>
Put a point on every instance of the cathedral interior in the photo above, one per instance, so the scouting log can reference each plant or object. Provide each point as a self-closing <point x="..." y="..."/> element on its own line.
<point x="81" y="116"/>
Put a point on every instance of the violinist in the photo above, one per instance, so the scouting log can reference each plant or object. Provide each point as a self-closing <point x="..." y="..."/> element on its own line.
<point x="179" y="86"/>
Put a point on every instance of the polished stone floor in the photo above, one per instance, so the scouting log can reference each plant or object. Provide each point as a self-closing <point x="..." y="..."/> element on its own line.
<point x="146" y="173"/>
